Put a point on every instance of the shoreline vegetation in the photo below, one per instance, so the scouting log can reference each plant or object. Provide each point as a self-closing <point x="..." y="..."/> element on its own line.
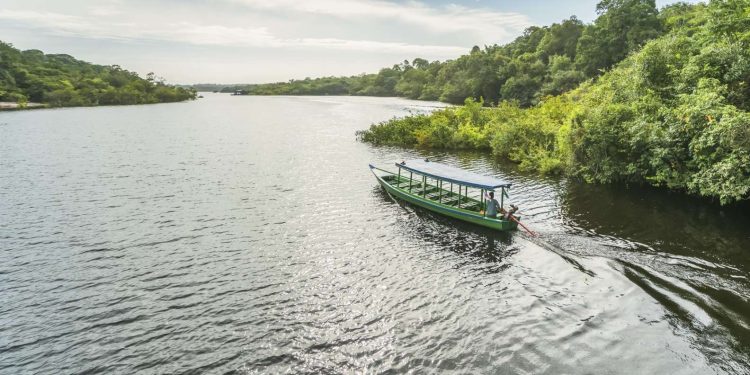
<point x="639" y="96"/>
<point x="543" y="61"/>
<point x="10" y="106"/>
<point x="673" y="113"/>
<point x="32" y="79"/>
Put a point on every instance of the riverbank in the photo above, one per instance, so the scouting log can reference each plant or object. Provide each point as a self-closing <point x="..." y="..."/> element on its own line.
<point x="11" y="106"/>
<point x="692" y="145"/>
<point x="57" y="80"/>
<point x="672" y="115"/>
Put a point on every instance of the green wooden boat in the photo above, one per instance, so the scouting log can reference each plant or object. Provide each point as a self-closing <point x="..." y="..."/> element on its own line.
<point x="447" y="190"/>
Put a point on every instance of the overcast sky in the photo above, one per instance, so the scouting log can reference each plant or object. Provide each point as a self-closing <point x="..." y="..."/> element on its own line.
<point x="245" y="41"/>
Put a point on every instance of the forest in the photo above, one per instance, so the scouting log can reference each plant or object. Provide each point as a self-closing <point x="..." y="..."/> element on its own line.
<point x="61" y="81"/>
<point x="543" y="61"/>
<point x="640" y="96"/>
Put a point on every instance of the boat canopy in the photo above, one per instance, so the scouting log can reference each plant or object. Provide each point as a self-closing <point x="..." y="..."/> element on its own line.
<point x="452" y="174"/>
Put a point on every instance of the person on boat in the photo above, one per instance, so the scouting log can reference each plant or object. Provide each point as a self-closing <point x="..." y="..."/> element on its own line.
<point x="508" y="214"/>
<point x="493" y="207"/>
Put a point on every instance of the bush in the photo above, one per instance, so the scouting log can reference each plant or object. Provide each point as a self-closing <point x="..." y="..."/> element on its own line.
<point x="674" y="114"/>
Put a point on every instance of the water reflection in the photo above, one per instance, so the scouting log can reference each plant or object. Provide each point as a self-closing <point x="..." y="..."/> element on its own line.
<point x="716" y="326"/>
<point x="669" y="222"/>
<point x="695" y="244"/>
<point x="247" y="235"/>
<point x="479" y="243"/>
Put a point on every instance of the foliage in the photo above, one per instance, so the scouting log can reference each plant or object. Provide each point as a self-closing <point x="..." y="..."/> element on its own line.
<point x="456" y="128"/>
<point x="623" y="26"/>
<point x="61" y="80"/>
<point x="675" y="113"/>
<point x="543" y="61"/>
<point x="527" y="136"/>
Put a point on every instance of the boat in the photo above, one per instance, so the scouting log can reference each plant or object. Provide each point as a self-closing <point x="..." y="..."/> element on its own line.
<point x="446" y="190"/>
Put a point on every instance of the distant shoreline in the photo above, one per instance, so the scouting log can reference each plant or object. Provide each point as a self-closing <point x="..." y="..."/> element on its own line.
<point x="13" y="106"/>
<point x="10" y="106"/>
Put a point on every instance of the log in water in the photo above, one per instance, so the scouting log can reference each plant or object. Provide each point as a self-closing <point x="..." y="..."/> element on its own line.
<point x="247" y="234"/>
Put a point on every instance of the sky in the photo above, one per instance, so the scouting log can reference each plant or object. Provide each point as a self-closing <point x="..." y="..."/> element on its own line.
<point x="257" y="41"/>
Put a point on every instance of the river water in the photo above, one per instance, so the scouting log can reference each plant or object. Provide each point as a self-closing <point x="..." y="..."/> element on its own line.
<point x="246" y="234"/>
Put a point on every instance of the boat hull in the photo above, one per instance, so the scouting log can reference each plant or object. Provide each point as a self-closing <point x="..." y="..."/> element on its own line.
<point x="453" y="212"/>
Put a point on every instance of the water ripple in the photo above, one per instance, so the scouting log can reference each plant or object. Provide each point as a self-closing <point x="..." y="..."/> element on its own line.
<point x="220" y="237"/>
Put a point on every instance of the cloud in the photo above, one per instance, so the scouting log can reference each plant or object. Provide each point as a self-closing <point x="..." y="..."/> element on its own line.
<point x="446" y="19"/>
<point x="261" y="41"/>
<point x="261" y="37"/>
<point x="104" y="10"/>
<point x="55" y="22"/>
<point x="375" y="46"/>
<point x="212" y="35"/>
<point x="432" y="30"/>
<point x="41" y="18"/>
<point x="199" y="34"/>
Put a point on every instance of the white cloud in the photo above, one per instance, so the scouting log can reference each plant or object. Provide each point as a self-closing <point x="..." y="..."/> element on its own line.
<point x="212" y="35"/>
<point x="113" y="20"/>
<point x="373" y="46"/>
<point x="217" y="35"/>
<point x="252" y="40"/>
<point x="451" y="18"/>
<point x="261" y="37"/>
<point x="41" y="18"/>
<point x="104" y="10"/>
<point x="55" y="22"/>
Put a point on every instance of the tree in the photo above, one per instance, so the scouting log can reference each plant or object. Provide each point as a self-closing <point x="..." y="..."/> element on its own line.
<point x="561" y="39"/>
<point x="622" y="27"/>
<point x="61" y="80"/>
<point x="420" y="63"/>
<point x="562" y="76"/>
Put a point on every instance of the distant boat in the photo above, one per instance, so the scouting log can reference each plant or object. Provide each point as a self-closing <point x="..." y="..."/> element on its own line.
<point x="447" y="190"/>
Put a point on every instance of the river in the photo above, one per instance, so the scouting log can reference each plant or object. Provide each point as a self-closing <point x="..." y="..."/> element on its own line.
<point x="239" y="234"/>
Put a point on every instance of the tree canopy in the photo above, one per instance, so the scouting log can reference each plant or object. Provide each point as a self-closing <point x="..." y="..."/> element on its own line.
<point x="61" y="80"/>
<point x="675" y="112"/>
<point x="543" y="61"/>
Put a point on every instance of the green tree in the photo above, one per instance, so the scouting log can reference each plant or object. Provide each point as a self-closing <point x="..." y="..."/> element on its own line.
<point x="61" y="80"/>
<point x="561" y="39"/>
<point x="674" y="113"/>
<point x="562" y="76"/>
<point x="622" y="27"/>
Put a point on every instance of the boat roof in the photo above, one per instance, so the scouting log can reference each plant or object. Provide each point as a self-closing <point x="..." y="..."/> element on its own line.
<point x="452" y="174"/>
